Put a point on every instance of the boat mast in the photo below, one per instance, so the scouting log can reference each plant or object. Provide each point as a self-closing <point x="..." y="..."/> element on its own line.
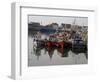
<point x="74" y="21"/>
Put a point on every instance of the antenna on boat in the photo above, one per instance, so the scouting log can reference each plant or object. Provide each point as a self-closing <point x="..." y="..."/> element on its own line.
<point x="74" y="22"/>
<point x="83" y="24"/>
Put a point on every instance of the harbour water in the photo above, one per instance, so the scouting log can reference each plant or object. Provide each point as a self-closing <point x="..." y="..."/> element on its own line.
<point x="53" y="56"/>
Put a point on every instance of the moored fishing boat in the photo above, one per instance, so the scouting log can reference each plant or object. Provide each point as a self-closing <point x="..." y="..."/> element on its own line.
<point x="78" y="44"/>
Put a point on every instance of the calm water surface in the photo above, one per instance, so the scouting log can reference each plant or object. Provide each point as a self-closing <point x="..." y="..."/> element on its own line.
<point x="53" y="56"/>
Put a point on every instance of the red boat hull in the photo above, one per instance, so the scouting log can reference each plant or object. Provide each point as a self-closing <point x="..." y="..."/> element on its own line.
<point x="50" y="44"/>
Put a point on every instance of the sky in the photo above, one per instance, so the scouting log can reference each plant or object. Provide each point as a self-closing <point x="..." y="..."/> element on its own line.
<point x="44" y="20"/>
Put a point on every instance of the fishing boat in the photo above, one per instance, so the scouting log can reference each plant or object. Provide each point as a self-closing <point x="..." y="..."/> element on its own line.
<point x="78" y="43"/>
<point x="52" y="41"/>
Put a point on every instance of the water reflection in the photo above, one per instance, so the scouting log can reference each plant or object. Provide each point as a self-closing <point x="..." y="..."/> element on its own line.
<point x="50" y="52"/>
<point x="42" y="55"/>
